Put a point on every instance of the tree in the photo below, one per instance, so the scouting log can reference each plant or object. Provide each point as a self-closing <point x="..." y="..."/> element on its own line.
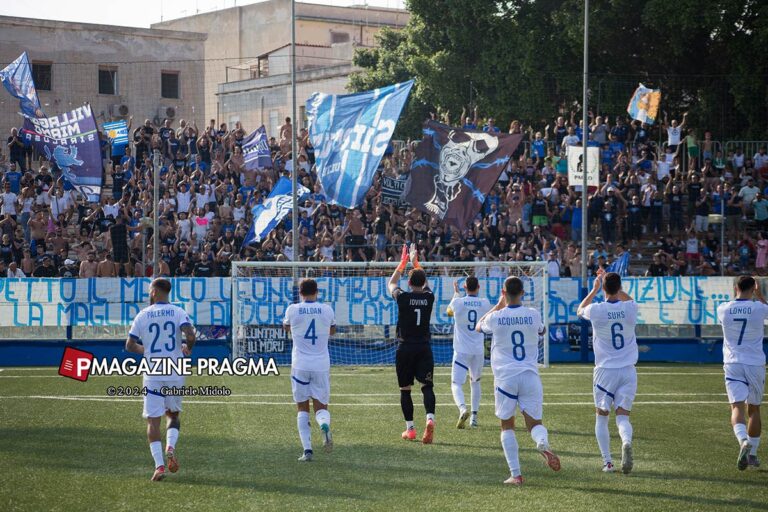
<point x="522" y="59"/>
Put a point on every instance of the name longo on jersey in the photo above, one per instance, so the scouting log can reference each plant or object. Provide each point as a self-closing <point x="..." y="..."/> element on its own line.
<point x="743" y="324"/>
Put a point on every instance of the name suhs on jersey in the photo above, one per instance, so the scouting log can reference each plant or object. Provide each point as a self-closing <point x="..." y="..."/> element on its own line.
<point x="165" y="366"/>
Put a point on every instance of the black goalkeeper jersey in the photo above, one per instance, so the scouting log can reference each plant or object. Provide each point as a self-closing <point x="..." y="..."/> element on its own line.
<point x="414" y="311"/>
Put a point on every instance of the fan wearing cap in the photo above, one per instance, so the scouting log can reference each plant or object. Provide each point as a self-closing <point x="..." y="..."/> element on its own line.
<point x="46" y="268"/>
<point x="69" y="269"/>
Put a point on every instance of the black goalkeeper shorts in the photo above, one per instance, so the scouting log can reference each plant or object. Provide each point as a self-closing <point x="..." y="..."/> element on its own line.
<point x="414" y="361"/>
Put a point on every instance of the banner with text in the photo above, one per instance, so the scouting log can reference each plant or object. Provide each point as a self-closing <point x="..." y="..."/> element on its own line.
<point x="576" y="166"/>
<point x="357" y="300"/>
<point x="71" y="142"/>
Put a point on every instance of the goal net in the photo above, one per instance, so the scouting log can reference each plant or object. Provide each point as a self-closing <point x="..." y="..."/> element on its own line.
<point x="366" y="315"/>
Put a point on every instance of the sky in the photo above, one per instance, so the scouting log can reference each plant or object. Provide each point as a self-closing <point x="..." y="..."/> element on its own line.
<point x="142" y="13"/>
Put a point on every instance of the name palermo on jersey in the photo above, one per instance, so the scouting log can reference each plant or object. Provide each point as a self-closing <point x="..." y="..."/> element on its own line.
<point x="183" y="367"/>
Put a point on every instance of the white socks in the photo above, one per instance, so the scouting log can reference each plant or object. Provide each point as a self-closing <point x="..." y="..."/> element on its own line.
<point x="305" y="430"/>
<point x="409" y="425"/>
<point x="755" y="442"/>
<point x="540" y="437"/>
<point x="603" y="437"/>
<point x="740" y="430"/>
<point x="475" y="396"/>
<point x="323" y="417"/>
<point x="509" y="443"/>
<point x="156" y="447"/>
<point x="458" y="397"/>
<point x="625" y="428"/>
<point x="172" y="436"/>
<point x="430" y="416"/>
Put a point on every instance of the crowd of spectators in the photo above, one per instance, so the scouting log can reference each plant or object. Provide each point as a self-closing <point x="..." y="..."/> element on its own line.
<point x="660" y="202"/>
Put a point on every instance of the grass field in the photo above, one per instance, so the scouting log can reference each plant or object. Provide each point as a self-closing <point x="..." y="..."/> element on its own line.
<point x="65" y="445"/>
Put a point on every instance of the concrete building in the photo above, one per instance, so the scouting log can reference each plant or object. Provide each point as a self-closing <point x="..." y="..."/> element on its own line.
<point x="121" y="71"/>
<point x="248" y="55"/>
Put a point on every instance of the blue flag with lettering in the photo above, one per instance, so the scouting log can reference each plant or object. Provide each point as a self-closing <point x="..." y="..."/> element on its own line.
<point x="256" y="153"/>
<point x="350" y="134"/>
<point x="267" y="215"/>
<point x="17" y="80"/>
<point x="71" y="142"/>
<point x="117" y="132"/>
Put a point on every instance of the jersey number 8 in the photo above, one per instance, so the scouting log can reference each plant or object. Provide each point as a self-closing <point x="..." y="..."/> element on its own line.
<point x="518" y="347"/>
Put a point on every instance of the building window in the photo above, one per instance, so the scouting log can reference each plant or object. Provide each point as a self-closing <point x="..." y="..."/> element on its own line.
<point x="274" y="123"/>
<point x="302" y="117"/>
<point x="108" y="81"/>
<point x="339" y="37"/>
<point x="169" y="84"/>
<point x="42" y="75"/>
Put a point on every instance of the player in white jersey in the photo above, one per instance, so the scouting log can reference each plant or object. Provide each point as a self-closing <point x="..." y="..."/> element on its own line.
<point x="310" y="324"/>
<point x="156" y="333"/>
<point x="743" y="322"/>
<point x="514" y="361"/>
<point x="615" y="377"/>
<point x="468" y="347"/>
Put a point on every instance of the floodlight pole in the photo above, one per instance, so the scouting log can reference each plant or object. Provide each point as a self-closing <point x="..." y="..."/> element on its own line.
<point x="294" y="159"/>
<point x="585" y="170"/>
<point x="155" y="215"/>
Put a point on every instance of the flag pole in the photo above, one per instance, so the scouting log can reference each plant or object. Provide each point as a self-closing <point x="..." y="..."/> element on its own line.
<point x="294" y="159"/>
<point x="584" y="192"/>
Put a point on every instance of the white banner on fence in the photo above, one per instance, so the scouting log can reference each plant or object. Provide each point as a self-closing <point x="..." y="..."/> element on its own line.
<point x="357" y="300"/>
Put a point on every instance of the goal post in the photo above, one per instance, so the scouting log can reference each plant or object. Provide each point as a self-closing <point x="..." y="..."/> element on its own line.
<point x="366" y="315"/>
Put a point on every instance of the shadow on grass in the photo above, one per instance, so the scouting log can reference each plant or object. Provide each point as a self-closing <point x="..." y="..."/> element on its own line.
<point x="687" y="500"/>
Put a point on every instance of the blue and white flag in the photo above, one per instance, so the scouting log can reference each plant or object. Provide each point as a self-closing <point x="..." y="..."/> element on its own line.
<point x="17" y="79"/>
<point x="256" y="151"/>
<point x="267" y="215"/>
<point x="620" y="265"/>
<point x="117" y="132"/>
<point x="350" y="134"/>
<point x="644" y="104"/>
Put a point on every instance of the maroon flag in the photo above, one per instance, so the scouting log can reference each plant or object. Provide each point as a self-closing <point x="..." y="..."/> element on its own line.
<point x="454" y="170"/>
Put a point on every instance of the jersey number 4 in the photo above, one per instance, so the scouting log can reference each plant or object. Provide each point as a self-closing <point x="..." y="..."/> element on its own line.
<point x="310" y="334"/>
<point x="170" y="331"/>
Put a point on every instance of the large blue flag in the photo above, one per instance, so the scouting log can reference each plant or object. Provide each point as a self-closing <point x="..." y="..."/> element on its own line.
<point x="71" y="141"/>
<point x="350" y="134"/>
<point x="256" y="151"/>
<point x="17" y="79"/>
<point x="117" y="132"/>
<point x="267" y="215"/>
<point x="620" y="265"/>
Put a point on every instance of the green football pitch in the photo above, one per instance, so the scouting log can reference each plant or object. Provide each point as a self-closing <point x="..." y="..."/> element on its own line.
<point x="66" y="445"/>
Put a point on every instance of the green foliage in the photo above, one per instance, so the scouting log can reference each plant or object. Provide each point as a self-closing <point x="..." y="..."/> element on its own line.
<point x="522" y="59"/>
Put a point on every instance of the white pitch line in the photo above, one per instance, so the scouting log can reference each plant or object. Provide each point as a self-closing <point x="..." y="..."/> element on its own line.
<point x="390" y="404"/>
<point x="353" y="395"/>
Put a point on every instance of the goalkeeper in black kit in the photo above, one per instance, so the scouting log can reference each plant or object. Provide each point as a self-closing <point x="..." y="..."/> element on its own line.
<point x="414" y="352"/>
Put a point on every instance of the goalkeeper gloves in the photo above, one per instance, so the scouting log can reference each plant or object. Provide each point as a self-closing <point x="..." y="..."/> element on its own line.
<point x="403" y="259"/>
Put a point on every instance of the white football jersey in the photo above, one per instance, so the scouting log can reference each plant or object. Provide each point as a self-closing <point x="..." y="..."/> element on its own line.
<point x="613" y="333"/>
<point x="310" y="324"/>
<point x="515" y="344"/>
<point x="158" y="327"/>
<point x="743" y="330"/>
<point x="467" y="311"/>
